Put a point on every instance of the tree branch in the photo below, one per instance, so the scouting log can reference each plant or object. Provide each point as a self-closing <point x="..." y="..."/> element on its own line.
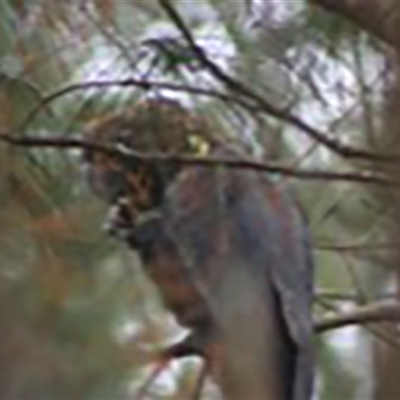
<point x="371" y="313"/>
<point x="242" y="89"/>
<point x="378" y="312"/>
<point x="157" y="157"/>
<point x="354" y="248"/>
<point x="333" y="144"/>
<point x="143" y="84"/>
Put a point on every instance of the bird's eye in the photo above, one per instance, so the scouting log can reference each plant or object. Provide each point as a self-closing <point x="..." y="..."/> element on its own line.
<point x="198" y="145"/>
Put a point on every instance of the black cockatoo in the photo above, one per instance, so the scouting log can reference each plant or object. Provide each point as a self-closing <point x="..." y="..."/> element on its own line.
<point x="228" y="248"/>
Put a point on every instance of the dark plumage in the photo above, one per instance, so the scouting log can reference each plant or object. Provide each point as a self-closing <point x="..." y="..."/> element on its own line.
<point x="228" y="249"/>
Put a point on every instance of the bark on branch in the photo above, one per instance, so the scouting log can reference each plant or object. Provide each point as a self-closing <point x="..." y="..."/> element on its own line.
<point x="159" y="157"/>
<point x="370" y="313"/>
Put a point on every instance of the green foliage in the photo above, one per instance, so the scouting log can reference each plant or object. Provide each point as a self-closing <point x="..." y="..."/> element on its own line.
<point x="65" y="288"/>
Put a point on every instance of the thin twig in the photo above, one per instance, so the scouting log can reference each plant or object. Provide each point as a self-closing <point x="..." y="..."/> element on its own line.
<point x="200" y="381"/>
<point x="143" y="84"/>
<point x="371" y="313"/>
<point x="323" y="138"/>
<point x="354" y="248"/>
<point x="376" y="331"/>
<point x="352" y="296"/>
<point x="158" y="157"/>
<point x="144" y="388"/>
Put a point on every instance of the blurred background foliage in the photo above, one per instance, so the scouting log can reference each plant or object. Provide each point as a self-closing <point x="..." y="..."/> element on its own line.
<point x="78" y="318"/>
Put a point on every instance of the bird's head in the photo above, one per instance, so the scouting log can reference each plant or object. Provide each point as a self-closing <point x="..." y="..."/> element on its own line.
<point x="151" y="126"/>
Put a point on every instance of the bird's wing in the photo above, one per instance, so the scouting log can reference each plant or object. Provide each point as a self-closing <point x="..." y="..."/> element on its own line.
<point x="247" y="250"/>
